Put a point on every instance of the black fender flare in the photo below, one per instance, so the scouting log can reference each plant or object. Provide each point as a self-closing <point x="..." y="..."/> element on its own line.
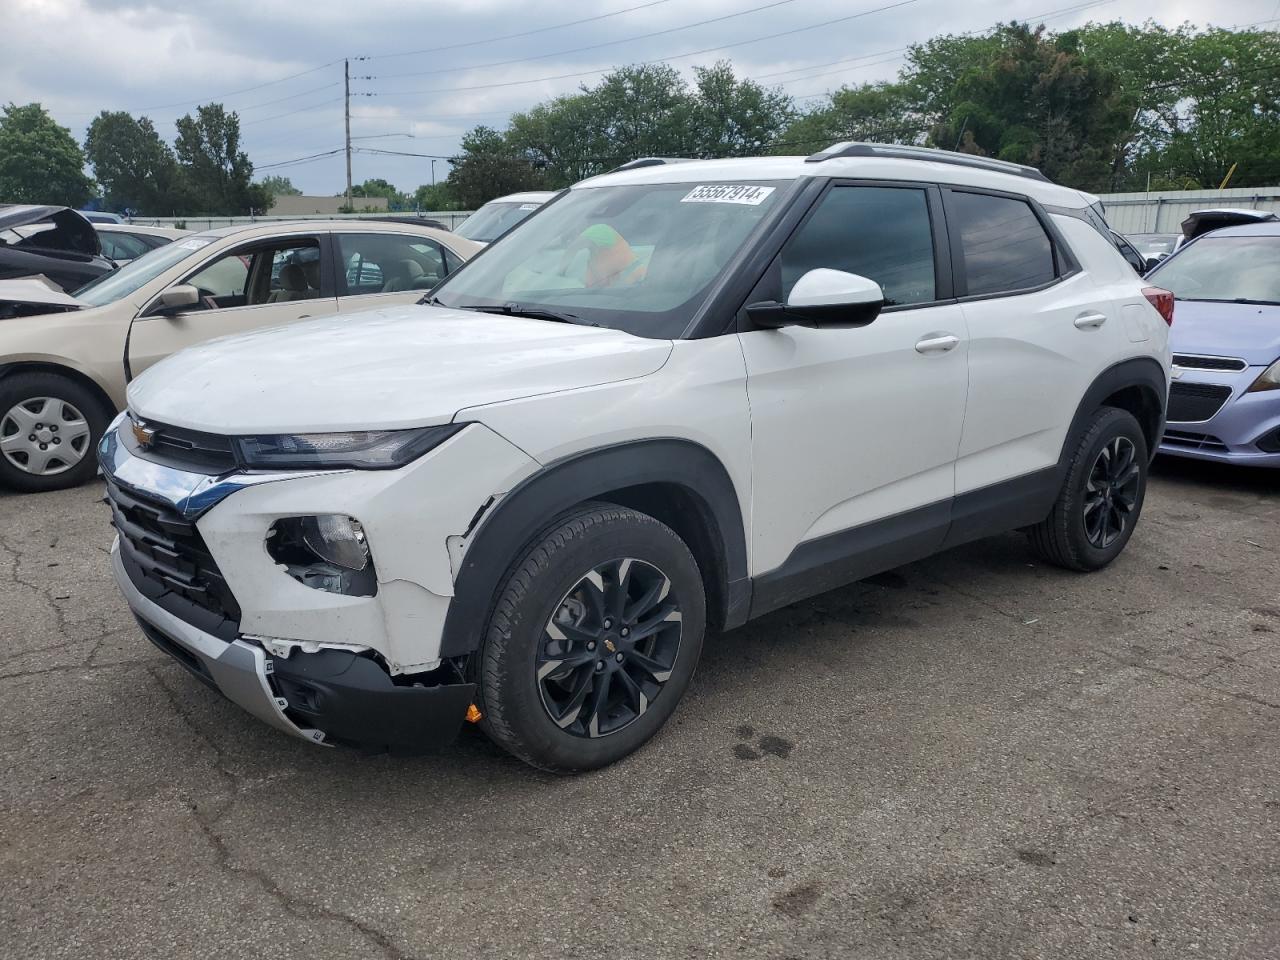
<point x="1134" y="372"/>
<point x="535" y="503"/>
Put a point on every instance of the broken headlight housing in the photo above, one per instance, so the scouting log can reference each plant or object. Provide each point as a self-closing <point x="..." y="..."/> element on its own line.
<point x="355" y="449"/>
<point x="327" y="552"/>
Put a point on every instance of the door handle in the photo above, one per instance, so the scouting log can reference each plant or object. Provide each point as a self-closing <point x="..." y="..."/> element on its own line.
<point x="1090" y="321"/>
<point x="937" y="344"/>
<point x="305" y="316"/>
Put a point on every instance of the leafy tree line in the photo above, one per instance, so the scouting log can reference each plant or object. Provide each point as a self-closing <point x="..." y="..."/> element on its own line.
<point x="1106" y="107"/>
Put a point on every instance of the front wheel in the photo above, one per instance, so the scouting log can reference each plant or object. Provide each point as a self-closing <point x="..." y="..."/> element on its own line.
<point x="49" y="427"/>
<point x="1101" y="498"/>
<point x="593" y="640"/>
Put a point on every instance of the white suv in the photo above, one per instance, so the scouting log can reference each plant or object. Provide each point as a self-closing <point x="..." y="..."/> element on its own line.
<point x="678" y="397"/>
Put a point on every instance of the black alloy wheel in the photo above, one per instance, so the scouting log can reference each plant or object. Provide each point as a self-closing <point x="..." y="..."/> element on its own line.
<point x="609" y="648"/>
<point x="1111" y="493"/>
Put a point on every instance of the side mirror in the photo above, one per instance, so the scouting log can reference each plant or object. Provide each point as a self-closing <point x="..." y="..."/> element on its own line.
<point x="822" y="297"/>
<point x="177" y="298"/>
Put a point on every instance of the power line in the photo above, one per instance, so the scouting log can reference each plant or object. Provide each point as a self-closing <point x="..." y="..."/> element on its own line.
<point x="268" y="103"/>
<point x="514" y="36"/>
<point x="290" y="113"/>
<point x="307" y="159"/>
<point x="645" y="63"/>
<point x="594" y="46"/>
<point x="236" y="93"/>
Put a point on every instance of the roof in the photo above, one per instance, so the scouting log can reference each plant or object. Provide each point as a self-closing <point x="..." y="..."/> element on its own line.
<point x="758" y="169"/>
<point x="363" y="225"/>
<point x="529" y="196"/>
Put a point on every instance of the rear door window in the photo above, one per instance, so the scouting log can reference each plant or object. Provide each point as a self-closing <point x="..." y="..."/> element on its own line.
<point x="1003" y="245"/>
<point x="388" y="263"/>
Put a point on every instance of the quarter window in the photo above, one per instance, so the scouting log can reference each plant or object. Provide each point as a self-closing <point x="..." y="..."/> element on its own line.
<point x="882" y="233"/>
<point x="1004" y="245"/>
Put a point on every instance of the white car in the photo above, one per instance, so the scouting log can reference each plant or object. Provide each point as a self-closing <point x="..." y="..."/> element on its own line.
<point x="680" y="397"/>
<point x="498" y="216"/>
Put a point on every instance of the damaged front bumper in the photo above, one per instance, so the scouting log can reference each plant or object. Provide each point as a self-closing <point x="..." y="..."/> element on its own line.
<point x="331" y="696"/>
<point x="362" y="670"/>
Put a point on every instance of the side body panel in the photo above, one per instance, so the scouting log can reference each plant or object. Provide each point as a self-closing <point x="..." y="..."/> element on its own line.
<point x="851" y="425"/>
<point x="1032" y="356"/>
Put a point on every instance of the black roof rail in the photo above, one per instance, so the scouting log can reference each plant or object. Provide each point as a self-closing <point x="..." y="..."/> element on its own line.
<point x="902" y="152"/>
<point x="649" y="162"/>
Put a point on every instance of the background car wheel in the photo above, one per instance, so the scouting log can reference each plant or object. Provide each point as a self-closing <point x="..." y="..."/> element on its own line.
<point x="592" y="641"/>
<point x="1101" y="498"/>
<point x="49" y="430"/>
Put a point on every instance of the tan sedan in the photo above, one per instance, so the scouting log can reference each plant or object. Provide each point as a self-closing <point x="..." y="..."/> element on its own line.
<point x="65" y="358"/>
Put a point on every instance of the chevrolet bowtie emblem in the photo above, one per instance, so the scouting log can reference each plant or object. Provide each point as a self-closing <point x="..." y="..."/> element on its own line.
<point x="142" y="433"/>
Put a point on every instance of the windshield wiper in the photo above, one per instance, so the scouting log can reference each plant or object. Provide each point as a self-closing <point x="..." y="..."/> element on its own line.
<point x="534" y="313"/>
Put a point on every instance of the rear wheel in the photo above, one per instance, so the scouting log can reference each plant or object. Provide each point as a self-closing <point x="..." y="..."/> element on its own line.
<point x="1101" y="498"/>
<point x="49" y="428"/>
<point x="593" y="640"/>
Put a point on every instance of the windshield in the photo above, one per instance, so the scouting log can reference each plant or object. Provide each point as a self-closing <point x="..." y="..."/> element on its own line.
<point x="1153" y="244"/>
<point x="638" y="258"/>
<point x="494" y="219"/>
<point x="1224" y="268"/>
<point x="112" y="286"/>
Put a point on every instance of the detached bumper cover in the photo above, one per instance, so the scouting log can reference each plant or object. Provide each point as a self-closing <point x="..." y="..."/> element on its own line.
<point x="332" y="696"/>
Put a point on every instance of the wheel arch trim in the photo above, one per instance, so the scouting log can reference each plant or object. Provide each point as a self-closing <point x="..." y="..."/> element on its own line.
<point x="1143" y="373"/>
<point x="517" y="518"/>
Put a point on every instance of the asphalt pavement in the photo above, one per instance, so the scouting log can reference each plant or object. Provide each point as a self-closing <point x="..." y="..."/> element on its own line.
<point x="972" y="756"/>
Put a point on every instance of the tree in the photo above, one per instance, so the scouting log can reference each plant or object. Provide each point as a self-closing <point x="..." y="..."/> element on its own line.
<point x="40" y="162"/>
<point x="278" y="186"/>
<point x="377" y="187"/>
<point x="874" y="112"/>
<point x="216" y="173"/>
<point x="1022" y="96"/>
<point x="136" y="169"/>
<point x="732" y="117"/>
<point x="434" y="196"/>
<point x="489" y="166"/>
<point x="648" y="111"/>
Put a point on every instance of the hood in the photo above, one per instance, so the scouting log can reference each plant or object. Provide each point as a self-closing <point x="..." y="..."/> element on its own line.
<point x="1247" y="330"/>
<point x="68" y="230"/>
<point x="382" y="369"/>
<point x="32" y="295"/>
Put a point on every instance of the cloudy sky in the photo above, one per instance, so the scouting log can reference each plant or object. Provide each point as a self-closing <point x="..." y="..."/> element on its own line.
<point x="431" y="70"/>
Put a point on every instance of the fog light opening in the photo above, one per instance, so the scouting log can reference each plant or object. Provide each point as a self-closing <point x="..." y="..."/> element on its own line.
<point x="329" y="552"/>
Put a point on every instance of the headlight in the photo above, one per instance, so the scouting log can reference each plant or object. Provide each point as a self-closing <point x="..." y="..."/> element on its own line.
<point x="327" y="552"/>
<point x="1270" y="379"/>
<point x="360" y="449"/>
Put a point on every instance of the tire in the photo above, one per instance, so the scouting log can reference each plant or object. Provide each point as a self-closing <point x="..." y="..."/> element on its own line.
<point x="1101" y="498"/>
<point x="555" y="638"/>
<point x="69" y="440"/>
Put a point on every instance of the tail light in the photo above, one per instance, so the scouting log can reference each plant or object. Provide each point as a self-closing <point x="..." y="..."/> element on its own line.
<point x="1162" y="300"/>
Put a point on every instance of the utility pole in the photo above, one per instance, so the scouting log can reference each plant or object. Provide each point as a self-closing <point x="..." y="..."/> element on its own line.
<point x="346" y="85"/>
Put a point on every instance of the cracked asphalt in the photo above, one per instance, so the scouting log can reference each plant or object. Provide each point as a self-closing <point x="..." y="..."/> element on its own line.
<point x="972" y="756"/>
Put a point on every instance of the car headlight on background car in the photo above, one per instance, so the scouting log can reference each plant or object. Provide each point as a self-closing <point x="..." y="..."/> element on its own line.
<point x="1269" y="380"/>
<point x="356" y="449"/>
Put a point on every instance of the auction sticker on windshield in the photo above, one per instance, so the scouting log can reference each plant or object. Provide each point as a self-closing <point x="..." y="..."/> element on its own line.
<point x="728" y="193"/>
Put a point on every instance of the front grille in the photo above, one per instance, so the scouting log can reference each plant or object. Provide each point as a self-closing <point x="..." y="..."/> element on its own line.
<point x="167" y="560"/>
<point x="1194" y="441"/>
<point x="1194" y="402"/>
<point x="178" y="447"/>
<point x="1192" y="362"/>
